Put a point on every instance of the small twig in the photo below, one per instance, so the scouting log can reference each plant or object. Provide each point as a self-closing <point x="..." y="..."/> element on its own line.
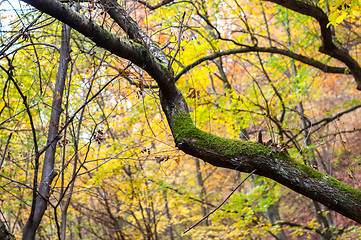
<point x="20" y="33"/>
<point x="9" y="118"/>
<point x="220" y="205"/>
<point x="179" y="40"/>
<point x="146" y="116"/>
<point x="7" y="145"/>
<point x="162" y="3"/>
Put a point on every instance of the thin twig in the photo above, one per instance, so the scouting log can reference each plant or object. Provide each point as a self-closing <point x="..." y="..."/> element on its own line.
<point x="146" y="116"/>
<point x="179" y="40"/>
<point x="9" y="118"/>
<point x="7" y="145"/>
<point x="20" y="33"/>
<point x="220" y="205"/>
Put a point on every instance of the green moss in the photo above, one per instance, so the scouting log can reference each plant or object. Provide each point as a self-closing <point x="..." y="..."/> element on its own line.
<point x="170" y="70"/>
<point x="309" y="172"/>
<point x="184" y="128"/>
<point x="135" y="43"/>
<point x="344" y="188"/>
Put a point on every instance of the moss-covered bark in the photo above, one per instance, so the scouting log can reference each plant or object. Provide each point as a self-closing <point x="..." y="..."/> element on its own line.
<point x="183" y="128"/>
<point x="246" y="156"/>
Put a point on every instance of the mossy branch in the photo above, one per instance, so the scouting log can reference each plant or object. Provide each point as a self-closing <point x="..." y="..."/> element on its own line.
<point x="183" y="128"/>
<point x="245" y="156"/>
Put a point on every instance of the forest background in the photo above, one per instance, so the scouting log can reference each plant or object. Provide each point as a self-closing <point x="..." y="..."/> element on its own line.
<point x="90" y="147"/>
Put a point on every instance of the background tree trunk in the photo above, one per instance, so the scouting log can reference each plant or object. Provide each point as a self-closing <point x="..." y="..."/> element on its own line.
<point x="41" y="201"/>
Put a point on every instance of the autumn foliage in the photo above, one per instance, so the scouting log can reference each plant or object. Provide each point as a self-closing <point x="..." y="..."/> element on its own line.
<point x="86" y="135"/>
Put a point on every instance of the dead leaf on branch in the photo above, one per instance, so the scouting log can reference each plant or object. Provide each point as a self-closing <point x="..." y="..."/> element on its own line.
<point x="194" y="93"/>
<point x="63" y="142"/>
<point x="99" y="136"/>
<point x="275" y="147"/>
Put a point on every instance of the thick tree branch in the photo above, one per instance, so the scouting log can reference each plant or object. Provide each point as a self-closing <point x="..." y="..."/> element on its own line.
<point x="135" y="52"/>
<point x="245" y="156"/>
<point x="328" y="47"/>
<point x="120" y="16"/>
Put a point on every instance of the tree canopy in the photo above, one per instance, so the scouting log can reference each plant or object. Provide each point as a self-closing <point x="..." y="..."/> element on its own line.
<point x="108" y="107"/>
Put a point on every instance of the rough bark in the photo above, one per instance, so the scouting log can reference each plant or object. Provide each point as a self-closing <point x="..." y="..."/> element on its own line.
<point x="239" y="155"/>
<point x="247" y="156"/>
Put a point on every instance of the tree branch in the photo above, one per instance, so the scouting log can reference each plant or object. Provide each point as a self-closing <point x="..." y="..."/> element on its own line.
<point x="245" y="156"/>
<point x="328" y="47"/>
<point x="306" y="60"/>
<point x="135" y="52"/>
<point x="158" y="5"/>
<point x="323" y="122"/>
<point x="120" y="16"/>
<point x="48" y="172"/>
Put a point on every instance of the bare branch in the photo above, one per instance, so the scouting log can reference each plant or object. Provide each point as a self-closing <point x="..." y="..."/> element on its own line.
<point x="323" y="122"/>
<point x="158" y="5"/>
<point x="328" y="47"/>
<point x="179" y="40"/>
<point x="306" y="60"/>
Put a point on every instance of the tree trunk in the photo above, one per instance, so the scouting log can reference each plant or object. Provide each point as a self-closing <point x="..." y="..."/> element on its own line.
<point x="202" y="191"/>
<point x="322" y="220"/>
<point x="274" y="217"/>
<point x="42" y="197"/>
